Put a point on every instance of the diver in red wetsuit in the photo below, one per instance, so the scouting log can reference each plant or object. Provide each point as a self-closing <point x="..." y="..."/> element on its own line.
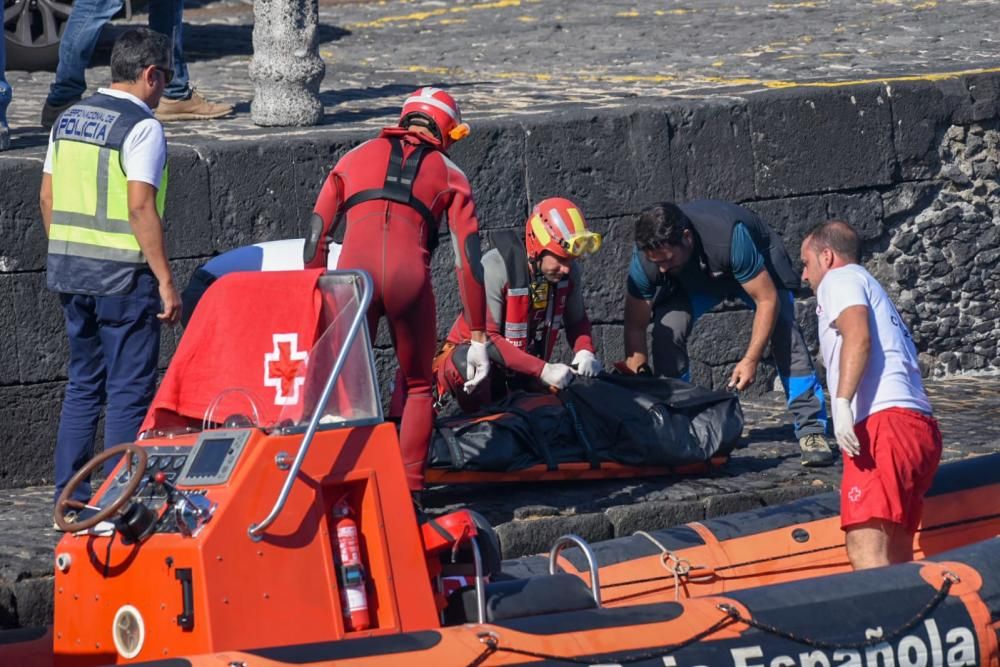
<point x="389" y="196"/>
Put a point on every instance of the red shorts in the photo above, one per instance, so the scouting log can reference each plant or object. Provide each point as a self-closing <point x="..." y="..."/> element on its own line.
<point x="900" y="452"/>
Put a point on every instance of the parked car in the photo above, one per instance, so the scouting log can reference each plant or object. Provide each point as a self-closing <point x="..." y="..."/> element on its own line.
<point x="33" y="28"/>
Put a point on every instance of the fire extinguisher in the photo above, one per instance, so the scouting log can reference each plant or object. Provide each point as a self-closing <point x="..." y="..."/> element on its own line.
<point x="353" y="598"/>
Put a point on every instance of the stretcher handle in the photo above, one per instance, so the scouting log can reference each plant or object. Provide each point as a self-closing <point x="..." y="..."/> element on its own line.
<point x="571" y="540"/>
<point x="256" y="530"/>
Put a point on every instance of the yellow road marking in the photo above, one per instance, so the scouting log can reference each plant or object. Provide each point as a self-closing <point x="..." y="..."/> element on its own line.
<point x="423" y="16"/>
<point x="720" y="80"/>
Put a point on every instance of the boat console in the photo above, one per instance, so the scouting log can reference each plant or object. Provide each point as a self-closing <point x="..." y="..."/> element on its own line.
<point x="202" y="538"/>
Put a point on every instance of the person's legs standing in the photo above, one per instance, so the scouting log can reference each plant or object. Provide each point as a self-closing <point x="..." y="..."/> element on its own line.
<point x="884" y="485"/>
<point x="76" y="47"/>
<point x="5" y="95"/>
<point x="167" y="17"/>
<point x="414" y="332"/>
<point x="795" y="367"/>
<point x="130" y="339"/>
<point x="180" y="101"/>
<point x="803" y="392"/>
<point x="85" y="392"/>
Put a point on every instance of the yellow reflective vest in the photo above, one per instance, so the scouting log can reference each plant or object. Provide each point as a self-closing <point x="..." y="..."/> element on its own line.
<point x="92" y="249"/>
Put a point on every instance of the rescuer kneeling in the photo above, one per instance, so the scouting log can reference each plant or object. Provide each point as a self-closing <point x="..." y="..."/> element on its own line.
<point x="532" y="288"/>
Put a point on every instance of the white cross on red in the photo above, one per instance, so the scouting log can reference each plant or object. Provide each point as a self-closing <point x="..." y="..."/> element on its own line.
<point x="282" y="368"/>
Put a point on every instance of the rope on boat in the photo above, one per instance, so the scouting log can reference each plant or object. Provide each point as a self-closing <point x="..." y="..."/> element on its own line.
<point x="950" y="578"/>
<point x="678" y="567"/>
<point x="491" y="641"/>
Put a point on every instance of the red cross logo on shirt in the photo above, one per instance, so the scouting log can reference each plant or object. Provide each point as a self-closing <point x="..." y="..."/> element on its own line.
<point x="854" y="495"/>
<point x="282" y="368"/>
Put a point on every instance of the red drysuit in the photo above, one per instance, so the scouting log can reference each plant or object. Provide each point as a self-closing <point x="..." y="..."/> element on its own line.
<point x="390" y="240"/>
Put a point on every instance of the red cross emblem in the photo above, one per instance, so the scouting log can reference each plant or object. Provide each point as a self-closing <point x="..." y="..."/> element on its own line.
<point x="854" y="495"/>
<point x="282" y="368"/>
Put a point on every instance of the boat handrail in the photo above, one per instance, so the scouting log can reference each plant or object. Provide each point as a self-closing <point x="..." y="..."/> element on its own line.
<point x="477" y="559"/>
<point x="256" y="530"/>
<point x="577" y="541"/>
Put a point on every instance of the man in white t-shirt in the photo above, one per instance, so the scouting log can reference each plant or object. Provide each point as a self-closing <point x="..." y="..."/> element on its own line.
<point x="881" y="414"/>
<point x="102" y="198"/>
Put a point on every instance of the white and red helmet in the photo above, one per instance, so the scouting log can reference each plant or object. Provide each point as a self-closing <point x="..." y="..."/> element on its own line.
<point x="438" y="110"/>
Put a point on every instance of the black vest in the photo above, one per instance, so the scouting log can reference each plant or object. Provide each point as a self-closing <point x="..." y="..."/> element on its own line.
<point x="714" y="223"/>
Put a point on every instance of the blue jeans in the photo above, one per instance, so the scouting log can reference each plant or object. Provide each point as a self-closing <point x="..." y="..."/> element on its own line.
<point x="5" y="91"/>
<point x="80" y="37"/>
<point x="114" y="344"/>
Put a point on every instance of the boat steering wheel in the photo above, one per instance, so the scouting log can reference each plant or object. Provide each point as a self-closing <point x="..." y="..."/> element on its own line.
<point x="65" y="501"/>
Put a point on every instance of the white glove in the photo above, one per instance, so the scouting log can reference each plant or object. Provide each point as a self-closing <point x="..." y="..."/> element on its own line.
<point x="557" y="375"/>
<point x="587" y="364"/>
<point x="843" y="427"/>
<point x="477" y="365"/>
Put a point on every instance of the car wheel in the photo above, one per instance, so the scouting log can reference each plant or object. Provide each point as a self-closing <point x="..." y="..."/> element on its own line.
<point x="32" y="29"/>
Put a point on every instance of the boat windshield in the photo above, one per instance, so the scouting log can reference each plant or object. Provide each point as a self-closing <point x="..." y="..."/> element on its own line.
<point x="354" y="399"/>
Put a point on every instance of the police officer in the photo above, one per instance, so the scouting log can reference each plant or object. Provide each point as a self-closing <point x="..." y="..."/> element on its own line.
<point x="102" y="195"/>
<point x="686" y="260"/>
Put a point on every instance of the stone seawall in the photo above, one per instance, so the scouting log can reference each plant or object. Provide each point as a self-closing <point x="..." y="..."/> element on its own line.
<point x="913" y="164"/>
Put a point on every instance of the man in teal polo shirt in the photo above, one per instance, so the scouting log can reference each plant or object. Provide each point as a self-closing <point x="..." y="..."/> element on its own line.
<point x="689" y="258"/>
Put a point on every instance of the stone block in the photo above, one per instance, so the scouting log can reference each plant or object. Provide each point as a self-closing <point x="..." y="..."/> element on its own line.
<point x="256" y="188"/>
<point x="9" y="371"/>
<point x="722" y="337"/>
<point x="605" y="272"/>
<point x="606" y="163"/>
<point x="787" y="494"/>
<point x="821" y="140"/>
<point x="520" y="538"/>
<point x="793" y="217"/>
<point x="187" y="215"/>
<point x="170" y="336"/>
<point x="921" y="112"/>
<point x="22" y="179"/>
<point x="34" y="601"/>
<point x="42" y="347"/>
<point x="24" y="243"/>
<point x="653" y="515"/>
<point x="710" y="150"/>
<point x="8" y="607"/>
<point x="29" y="418"/>
<point x="985" y="92"/>
<point x="493" y="158"/>
<point x="730" y="503"/>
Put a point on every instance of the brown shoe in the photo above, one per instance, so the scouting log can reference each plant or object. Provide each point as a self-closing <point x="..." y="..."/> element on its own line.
<point x="195" y="107"/>
<point x="50" y="112"/>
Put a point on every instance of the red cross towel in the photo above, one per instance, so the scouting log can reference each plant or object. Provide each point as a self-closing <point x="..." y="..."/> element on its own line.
<point x="251" y="333"/>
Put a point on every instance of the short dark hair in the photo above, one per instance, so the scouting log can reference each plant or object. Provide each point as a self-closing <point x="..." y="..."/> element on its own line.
<point x="136" y="50"/>
<point x="659" y="225"/>
<point x="838" y="236"/>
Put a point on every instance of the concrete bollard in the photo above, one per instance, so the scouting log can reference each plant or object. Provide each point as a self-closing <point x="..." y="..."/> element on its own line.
<point x="286" y="69"/>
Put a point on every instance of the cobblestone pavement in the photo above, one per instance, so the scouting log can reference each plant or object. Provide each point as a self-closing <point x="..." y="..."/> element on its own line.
<point x="520" y="57"/>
